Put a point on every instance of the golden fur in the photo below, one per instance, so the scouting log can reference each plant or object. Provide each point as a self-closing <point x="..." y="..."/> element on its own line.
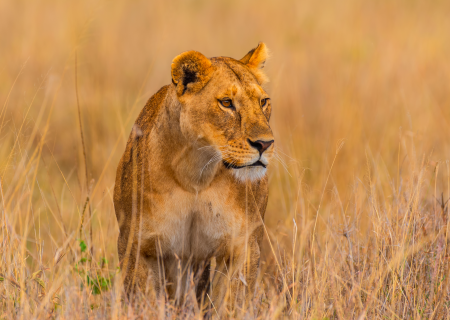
<point x="188" y="204"/>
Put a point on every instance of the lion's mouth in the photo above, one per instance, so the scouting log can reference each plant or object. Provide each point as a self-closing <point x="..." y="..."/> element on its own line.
<point x="233" y="166"/>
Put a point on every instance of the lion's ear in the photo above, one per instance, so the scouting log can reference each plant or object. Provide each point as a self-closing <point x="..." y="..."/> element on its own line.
<point x="255" y="60"/>
<point x="190" y="72"/>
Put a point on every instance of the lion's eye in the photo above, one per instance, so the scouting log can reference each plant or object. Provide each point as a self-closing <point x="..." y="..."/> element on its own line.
<point x="264" y="102"/>
<point x="226" y="103"/>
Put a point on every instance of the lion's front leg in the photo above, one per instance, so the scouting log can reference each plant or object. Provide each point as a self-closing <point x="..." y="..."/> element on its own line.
<point x="142" y="270"/>
<point x="235" y="277"/>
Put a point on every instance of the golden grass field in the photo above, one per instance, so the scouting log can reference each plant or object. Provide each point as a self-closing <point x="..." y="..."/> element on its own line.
<point x="358" y="219"/>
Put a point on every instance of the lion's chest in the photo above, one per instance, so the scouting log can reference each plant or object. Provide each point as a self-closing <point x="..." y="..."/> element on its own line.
<point x="195" y="226"/>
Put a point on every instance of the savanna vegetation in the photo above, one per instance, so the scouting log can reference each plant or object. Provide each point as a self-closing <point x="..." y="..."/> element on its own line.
<point x="357" y="224"/>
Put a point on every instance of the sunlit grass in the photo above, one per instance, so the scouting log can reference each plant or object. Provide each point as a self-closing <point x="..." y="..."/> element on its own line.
<point x="358" y="216"/>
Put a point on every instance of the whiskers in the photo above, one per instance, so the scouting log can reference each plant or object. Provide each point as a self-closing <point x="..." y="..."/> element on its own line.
<point x="216" y="157"/>
<point x="219" y="153"/>
<point x="215" y="154"/>
<point x="277" y="156"/>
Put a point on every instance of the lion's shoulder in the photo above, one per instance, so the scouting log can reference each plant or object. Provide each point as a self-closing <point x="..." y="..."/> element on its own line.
<point x="135" y="145"/>
<point x="145" y="122"/>
<point x="148" y="115"/>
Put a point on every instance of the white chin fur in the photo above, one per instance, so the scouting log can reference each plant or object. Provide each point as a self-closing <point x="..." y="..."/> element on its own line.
<point x="249" y="173"/>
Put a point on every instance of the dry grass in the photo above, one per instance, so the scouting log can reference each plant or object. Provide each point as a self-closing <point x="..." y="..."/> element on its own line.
<point x="358" y="216"/>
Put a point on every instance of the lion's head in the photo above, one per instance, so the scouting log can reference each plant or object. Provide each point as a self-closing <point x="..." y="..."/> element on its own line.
<point x="225" y="111"/>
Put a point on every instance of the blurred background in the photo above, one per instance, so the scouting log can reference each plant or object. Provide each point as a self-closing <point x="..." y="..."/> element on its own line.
<point x="366" y="80"/>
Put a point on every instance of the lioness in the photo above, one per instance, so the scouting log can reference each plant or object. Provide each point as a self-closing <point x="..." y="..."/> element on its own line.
<point x="191" y="188"/>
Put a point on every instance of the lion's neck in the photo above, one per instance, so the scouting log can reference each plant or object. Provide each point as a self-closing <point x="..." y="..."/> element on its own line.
<point x="194" y="166"/>
<point x="193" y="170"/>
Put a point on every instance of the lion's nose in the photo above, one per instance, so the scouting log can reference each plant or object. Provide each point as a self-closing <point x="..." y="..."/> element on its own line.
<point x="260" y="145"/>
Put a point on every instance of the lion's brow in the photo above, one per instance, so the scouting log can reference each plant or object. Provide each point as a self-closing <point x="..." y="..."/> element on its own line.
<point x="237" y="74"/>
<point x="239" y="78"/>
